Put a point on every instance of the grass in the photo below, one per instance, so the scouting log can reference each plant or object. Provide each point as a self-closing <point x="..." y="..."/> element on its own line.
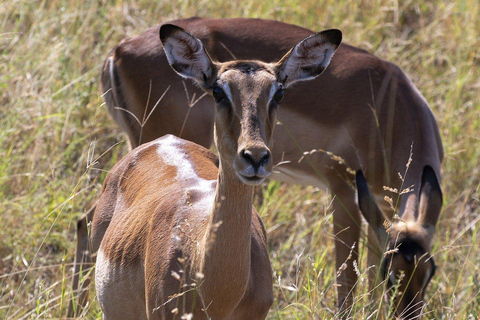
<point x="54" y="127"/>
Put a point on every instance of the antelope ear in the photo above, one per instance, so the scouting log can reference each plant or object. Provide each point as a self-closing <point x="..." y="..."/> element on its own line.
<point x="309" y="57"/>
<point x="186" y="54"/>
<point x="431" y="199"/>
<point x="369" y="208"/>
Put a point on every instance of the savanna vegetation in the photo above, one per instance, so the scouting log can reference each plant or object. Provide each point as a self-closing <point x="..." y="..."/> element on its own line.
<point x="57" y="142"/>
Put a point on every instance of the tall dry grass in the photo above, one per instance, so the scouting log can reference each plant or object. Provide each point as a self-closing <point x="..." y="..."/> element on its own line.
<point x="54" y="128"/>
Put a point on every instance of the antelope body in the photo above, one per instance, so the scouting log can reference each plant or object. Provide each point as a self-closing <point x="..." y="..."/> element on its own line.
<point x="162" y="196"/>
<point x="169" y="222"/>
<point x="363" y="113"/>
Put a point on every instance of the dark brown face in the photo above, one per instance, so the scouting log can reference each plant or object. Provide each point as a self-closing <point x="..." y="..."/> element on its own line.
<point x="408" y="272"/>
<point x="247" y="95"/>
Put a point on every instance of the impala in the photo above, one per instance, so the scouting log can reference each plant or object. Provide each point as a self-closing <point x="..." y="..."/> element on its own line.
<point x="363" y="113"/>
<point x="170" y="222"/>
<point x="406" y="241"/>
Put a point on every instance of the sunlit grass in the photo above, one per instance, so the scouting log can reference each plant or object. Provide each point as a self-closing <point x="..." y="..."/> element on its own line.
<point x="52" y="117"/>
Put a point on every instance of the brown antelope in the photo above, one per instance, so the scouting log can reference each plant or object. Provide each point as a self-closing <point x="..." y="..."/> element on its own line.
<point x="368" y="115"/>
<point x="168" y="218"/>
<point x="406" y="241"/>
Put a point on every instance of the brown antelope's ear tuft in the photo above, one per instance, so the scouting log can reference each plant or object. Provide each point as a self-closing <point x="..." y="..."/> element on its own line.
<point x="431" y="199"/>
<point x="186" y="54"/>
<point x="369" y="208"/>
<point x="309" y="57"/>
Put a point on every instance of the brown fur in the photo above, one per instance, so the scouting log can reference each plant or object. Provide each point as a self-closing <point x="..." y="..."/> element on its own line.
<point x="331" y="113"/>
<point x="409" y="245"/>
<point x="407" y="263"/>
<point x="140" y="232"/>
<point x="169" y="223"/>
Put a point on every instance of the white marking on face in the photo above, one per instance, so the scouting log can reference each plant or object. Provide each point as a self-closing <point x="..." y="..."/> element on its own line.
<point x="273" y="89"/>
<point x="226" y="88"/>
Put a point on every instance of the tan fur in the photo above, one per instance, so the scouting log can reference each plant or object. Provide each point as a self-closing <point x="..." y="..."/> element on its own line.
<point x="152" y="227"/>
<point x="168" y="222"/>
<point x="407" y="266"/>
<point x="331" y="113"/>
<point x="416" y="274"/>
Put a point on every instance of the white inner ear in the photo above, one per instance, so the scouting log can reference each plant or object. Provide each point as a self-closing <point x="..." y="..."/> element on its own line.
<point x="306" y="56"/>
<point x="273" y="90"/>
<point x="226" y="88"/>
<point x="186" y="51"/>
<point x="313" y="52"/>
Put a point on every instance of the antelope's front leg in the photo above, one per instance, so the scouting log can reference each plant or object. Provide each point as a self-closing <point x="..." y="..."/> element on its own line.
<point x="347" y="226"/>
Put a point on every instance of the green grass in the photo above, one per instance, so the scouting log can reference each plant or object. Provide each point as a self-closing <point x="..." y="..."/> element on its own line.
<point x="52" y="118"/>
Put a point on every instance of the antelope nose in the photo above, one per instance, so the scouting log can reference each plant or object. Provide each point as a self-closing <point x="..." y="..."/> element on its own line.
<point x="256" y="156"/>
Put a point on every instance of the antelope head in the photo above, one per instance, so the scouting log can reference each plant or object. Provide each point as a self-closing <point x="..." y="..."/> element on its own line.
<point x="247" y="93"/>
<point x="407" y="261"/>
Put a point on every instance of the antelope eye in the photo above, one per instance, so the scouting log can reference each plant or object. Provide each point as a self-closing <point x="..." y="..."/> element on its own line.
<point x="218" y="94"/>
<point x="278" y="95"/>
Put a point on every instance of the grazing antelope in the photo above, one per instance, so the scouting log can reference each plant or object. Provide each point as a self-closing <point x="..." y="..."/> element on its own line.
<point x="407" y="242"/>
<point x="367" y="116"/>
<point x="167" y="217"/>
